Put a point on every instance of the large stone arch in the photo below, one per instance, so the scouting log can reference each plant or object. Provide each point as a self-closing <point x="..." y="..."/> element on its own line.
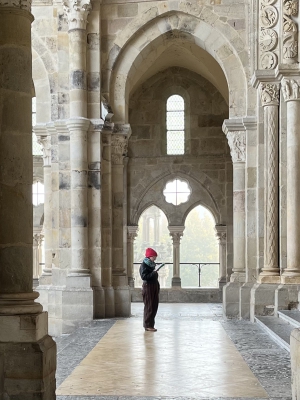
<point x="44" y="75"/>
<point x="129" y="59"/>
<point x="204" y="192"/>
<point x="41" y="88"/>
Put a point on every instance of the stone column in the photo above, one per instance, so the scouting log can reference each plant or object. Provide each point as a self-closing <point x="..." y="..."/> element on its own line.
<point x="290" y="90"/>
<point x="79" y="207"/>
<point x="237" y="144"/>
<point x="221" y="234"/>
<point x="269" y="93"/>
<point x="45" y="141"/>
<point x="176" y="233"/>
<point x="36" y="258"/>
<point x="106" y="220"/>
<point x="119" y="141"/>
<point x="132" y="232"/>
<point x="24" y="340"/>
<point x="77" y="12"/>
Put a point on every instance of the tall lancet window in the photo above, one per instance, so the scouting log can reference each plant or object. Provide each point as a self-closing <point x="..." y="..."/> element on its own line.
<point x="175" y="125"/>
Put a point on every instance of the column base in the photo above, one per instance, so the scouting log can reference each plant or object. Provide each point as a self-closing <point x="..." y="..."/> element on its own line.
<point x="231" y="300"/>
<point x="290" y="280"/>
<point x="269" y="279"/>
<point x="176" y="282"/>
<point x="68" y="307"/>
<point x="27" y="357"/>
<point x="286" y="298"/>
<point x="122" y="301"/>
<point x="262" y="300"/>
<point x="245" y="295"/>
<point x="45" y="279"/>
<point x="238" y="277"/>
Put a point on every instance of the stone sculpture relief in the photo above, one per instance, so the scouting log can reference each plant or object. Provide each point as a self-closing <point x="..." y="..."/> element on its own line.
<point x="268" y="38"/>
<point x="237" y="144"/>
<point x="77" y="12"/>
<point x="290" y="31"/>
<point x="45" y="142"/>
<point x="290" y="89"/>
<point x="269" y="94"/>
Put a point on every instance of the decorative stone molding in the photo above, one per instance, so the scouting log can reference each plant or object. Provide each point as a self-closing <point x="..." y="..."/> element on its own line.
<point x="38" y="239"/>
<point x="45" y="142"/>
<point x="268" y="38"/>
<point x="269" y="94"/>
<point x="132" y="232"/>
<point x="119" y="146"/>
<point x="21" y="4"/>
<point x="176" y="233"/>
<point x="290" y="31"/>
<point x="290" y="89"/>
<point x="221" y="234"/>
<point x="77" y="12"/>
<point x="237" y="144"/>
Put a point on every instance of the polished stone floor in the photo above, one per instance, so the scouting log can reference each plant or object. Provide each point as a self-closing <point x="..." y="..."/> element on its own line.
<point x="193" y="355"/>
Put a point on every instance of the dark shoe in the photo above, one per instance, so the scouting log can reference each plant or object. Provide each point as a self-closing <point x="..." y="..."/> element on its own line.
<point x="151" y="329"/>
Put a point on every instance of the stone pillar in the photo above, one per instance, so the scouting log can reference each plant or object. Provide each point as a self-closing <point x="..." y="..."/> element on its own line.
<point x="270" y="101"/>
<point x="36" y="258"/>
<point x="176" y="232"/>
<point x="27" y="353"/>
<point x="106" y="220"/>
<point x="290" y="90"/>
<point x="45" y="141"/>
<point x="237" y="144"/>
<point x="79" y="207"/>
<point x="132" y="232"/>
<point x="235" y="133"/>
<point x="119" y="140"/>
<point x="77" y="12"/>
<point x="221" y="234"/>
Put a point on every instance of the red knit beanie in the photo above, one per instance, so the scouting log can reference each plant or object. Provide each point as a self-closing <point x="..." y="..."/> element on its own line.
<point x="150" y="253"/>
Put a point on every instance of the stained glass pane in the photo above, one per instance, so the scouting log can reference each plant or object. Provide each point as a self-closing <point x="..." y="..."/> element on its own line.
<point x="175" y="125"/>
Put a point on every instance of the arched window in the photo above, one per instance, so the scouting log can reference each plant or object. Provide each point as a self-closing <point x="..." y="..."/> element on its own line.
<point x="37" y="193"/>
<point x="175" y="125"/>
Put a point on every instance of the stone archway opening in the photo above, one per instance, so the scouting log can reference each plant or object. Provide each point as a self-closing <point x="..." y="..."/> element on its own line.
<point x="199" y="250"/>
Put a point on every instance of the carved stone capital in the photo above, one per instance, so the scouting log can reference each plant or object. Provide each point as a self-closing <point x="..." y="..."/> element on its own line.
<point x="77" y="12"/>
<point x="132" y="232"/>
<point x="37" y="239"/>
<point x="45" y="142"/>
<point x="176" y="233"/>
<point x="237" y="144"/>
<point x="290" y="89"/>
<point x="21" y="4"/>
<point x="119" y="145"/>
<point x="269" y="94"/>
<point x="221" y="233"/>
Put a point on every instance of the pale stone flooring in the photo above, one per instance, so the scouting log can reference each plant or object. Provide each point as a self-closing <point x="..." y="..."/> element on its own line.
<point x="193" y="355"/>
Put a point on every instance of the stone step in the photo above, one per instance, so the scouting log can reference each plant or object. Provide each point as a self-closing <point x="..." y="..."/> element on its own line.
<point x="290" y="316"/>
<point x="278" y="329"/>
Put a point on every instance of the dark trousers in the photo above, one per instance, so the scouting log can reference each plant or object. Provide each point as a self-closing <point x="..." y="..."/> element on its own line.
<point x="150" y="294"/>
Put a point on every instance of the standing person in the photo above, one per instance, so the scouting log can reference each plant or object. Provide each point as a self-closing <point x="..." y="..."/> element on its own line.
<point x="150" y="289"/>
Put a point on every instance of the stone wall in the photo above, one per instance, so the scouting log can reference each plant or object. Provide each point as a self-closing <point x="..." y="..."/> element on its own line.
<point x="206" y="164"/>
